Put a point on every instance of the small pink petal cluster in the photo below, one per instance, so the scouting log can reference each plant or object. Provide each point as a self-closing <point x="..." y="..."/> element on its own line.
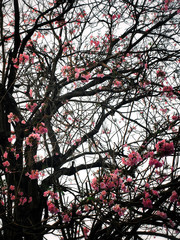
<point x="22" y="201"/>
<point x="164" y="148"/>
<point x="66" y="72"/>
<point x="34" y="174"/>
<point x="100" y="75"/>
<point x="12" y="187"/>
<point x="86" y="77"/>
<point x="155" y="162"/>
<point x="31" y="106"/>
<point x="160" y="73"/>
<point x="147" y="203"/>
<point x="174" y="196"/>
<point x="12" y="118"/>
<point x="23" y="58"/>
<point x="168" y="91"/>
<point x="52" y="208"/>
<point x="5" y="155"/>
<point x="10" y="139"/>
<point x="117" y="83"/>
<point x="133" y="159"/>
<point x="96" y="43"/>
<point x="6" y="164"/>
<point x="52" y="194"/>
<point x="175" y="117"/>
<point x="66" y="218"/>
<point x="85" y="231"/>
<point x="77" y="72"/>
<point x="118" y="209"/>
<point x="161" y="214"/>
<point x="40" y="128"/>
<point x="31" y="138"/>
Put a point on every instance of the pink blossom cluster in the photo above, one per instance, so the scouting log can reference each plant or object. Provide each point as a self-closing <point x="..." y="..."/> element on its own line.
<point x="40" y="128"/>
<point x="95" y="43"/>
<point x="155" y="162"/>
<point x="174" y="196"/>
<point x="34" y="174"/>
<point x="52" y="208"/>
<point x="117" y="83"/>
<point x="166" y="4"/>
<point x="161" y="214"/>
<point x="31" y="138"/>
<point x="164" y="148"/>
<point x="133" y="159"/>
<point x="107" y="182"/>
<point x="6" y="164"/>
<point x="168" y="91"/>
<point x="31" y="106"/>
<point x="78" y="71"/>
<point x="147" y="203"/>
<point x="52" y="194"/>
<point x="160" y="73"/>
<point x="23" y="58"/>
<point x="12" y="117"/>
<point x="66" y="218"/>
<point x="66" y="71"/>
<point x="86" y="76"/>
<point x="175" y="117"/>
<point x="118" y="209"/>
<point x="85" y="232"/>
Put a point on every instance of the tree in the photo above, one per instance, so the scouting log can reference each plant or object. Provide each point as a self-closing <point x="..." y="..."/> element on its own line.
<point x="89" y="119"/>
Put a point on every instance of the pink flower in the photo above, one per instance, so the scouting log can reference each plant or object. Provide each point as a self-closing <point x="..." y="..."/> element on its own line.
<point x="85" y="231"/>
<point x="103" y="193"/>
<point x="174" y="196"/>
<point x="86" y="208"/>
<point x="12" y="117"/>
<point x="164" y="148"/>
<point x="147" y="203"/>
<point x="31" y="107"/>
<point x="100" y="75"/>
<point x="155" y="193"/>
<point x="117" y="83"/>
<point x="133" y="159"/>
<point x="160" y="73"/>
<point x="116" y="208"/>
<point x="12" y="187"/>
<point x="5" y="155"/>
<point x="94" y="184"/>
<point x="66" y="218"/>
<point x="155" y="162"/>
<point x="174" y="117"/>
<point x="102" y="185"/>
<point x="22" y="201"/>
<point x="32" y="137"/>
<point x="78" y="212"/>
<point x="52" y="208"/>
<point x="129" y="179"/>
<point x="161" y="214"/>
<point x="34" y="174"/>
<point x="86" y="76"/>
<point x="12" y="197"/>
<point x="41" y="129"/>
<point x="168" y="91"/>
<point x="6" y="164"/>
